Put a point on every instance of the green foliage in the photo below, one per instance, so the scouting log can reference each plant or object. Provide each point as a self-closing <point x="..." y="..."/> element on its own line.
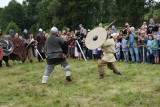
<point x="154" y="14"/>
<point x="60" y="13"/>
<point x="131" y="9"/>
<point x="33" y="29"/>
<point x="13" y="26"/>
<point x="13" y="12"/>
<point x="64" y="28"/>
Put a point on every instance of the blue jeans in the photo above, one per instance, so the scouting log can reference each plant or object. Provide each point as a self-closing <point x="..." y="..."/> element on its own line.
<point x="140" y="49"/>
<point x="132" y="51"/>
<point x="99" y="54"/>
<point x="150" y="57"/>
<point x="140" y="54"/>
<point x="90" y="54"/>
<point x="126" y="56"/>
<point x="118" y="55"/>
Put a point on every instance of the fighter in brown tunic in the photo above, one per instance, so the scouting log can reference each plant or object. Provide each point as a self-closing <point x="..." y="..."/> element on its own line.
<point x="28" y="49"/>
<point x="41" y="39"/>
<point x="108" y="58"/>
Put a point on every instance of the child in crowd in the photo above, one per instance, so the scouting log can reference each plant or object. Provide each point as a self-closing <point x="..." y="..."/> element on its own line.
<point x="94" y="54"/>
<point x="155" y="49"/>
<point x="150" y="57"/>
<point x="144" y="26"/>
<point x="99" y="53"/>
<point x="125" y="49"/>
<point x="118" y="44"/>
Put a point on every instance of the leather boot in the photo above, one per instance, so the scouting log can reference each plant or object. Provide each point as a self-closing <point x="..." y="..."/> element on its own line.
<point x="116" y="71"/>
<point x="101" y="72"/>
<point x="112" y="67"/>
<point x="68" y="78"/>
<point x="7" y="64"/>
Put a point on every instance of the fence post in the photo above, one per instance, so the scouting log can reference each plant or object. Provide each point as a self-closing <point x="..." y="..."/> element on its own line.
<point x="143" y="54"/>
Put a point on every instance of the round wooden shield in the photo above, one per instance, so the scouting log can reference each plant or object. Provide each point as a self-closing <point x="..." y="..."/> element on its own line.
<point x="1" y="53"/>
<point x="7" y="46"/>
<point x="95" y="38"/>
<point x="18" y="46"/>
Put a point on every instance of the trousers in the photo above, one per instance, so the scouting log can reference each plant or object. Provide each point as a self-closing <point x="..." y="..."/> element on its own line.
<point x="49" y="69"/>
<point x="110" y="65"/>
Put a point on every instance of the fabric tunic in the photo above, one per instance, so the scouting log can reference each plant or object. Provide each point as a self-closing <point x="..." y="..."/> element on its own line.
<point x="53" y="46"/>
<point x="155" y="44"/>
<point x="109" y="50"/>
<point x="41" y="39"/>
<point x="149" y="44"/>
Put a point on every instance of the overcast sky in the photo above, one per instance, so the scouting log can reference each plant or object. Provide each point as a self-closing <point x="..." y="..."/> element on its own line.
<point x="5" y="2"/>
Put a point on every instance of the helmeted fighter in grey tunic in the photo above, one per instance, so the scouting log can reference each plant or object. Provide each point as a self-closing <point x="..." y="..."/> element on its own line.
<point x="56" y="50"/>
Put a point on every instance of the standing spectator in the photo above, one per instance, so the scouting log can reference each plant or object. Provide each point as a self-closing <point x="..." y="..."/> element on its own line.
<point x="71" y="48"/>
<point x="143" y="42"/>
<point x="133" y="39"/>
<point x="152" y="23"/>
<point x="99" y="53"/>
<point x="94" y="54"/>
<point x="150" y="30"/>
<point x="120" y="36"/>
<point x="150" y="56"/>
<point x="155" y="49"/>
<point x="118" y="44"/>
<point x="127" y="27"/>
<point x="144" y="26"/>
<point x="114" y="29"/>
<point x="158" y="33"/>
<point x="89" y="54"/>
<point x="125" y="48"/>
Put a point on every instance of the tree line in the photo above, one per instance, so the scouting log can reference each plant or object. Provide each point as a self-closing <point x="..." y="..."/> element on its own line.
<point x="34" y="14"/>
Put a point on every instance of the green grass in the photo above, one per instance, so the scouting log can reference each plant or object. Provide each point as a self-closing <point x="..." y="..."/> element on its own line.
<point x="139" y="86"/>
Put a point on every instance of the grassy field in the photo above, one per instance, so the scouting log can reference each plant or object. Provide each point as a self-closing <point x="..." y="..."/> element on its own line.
<point x="139" y="86"/>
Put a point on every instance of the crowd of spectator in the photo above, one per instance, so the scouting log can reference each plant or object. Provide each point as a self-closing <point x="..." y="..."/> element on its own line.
<point x="141" y="45"/>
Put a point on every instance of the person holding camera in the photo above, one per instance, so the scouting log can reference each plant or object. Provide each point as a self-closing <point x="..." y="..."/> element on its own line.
<point x="132" y="39"/>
